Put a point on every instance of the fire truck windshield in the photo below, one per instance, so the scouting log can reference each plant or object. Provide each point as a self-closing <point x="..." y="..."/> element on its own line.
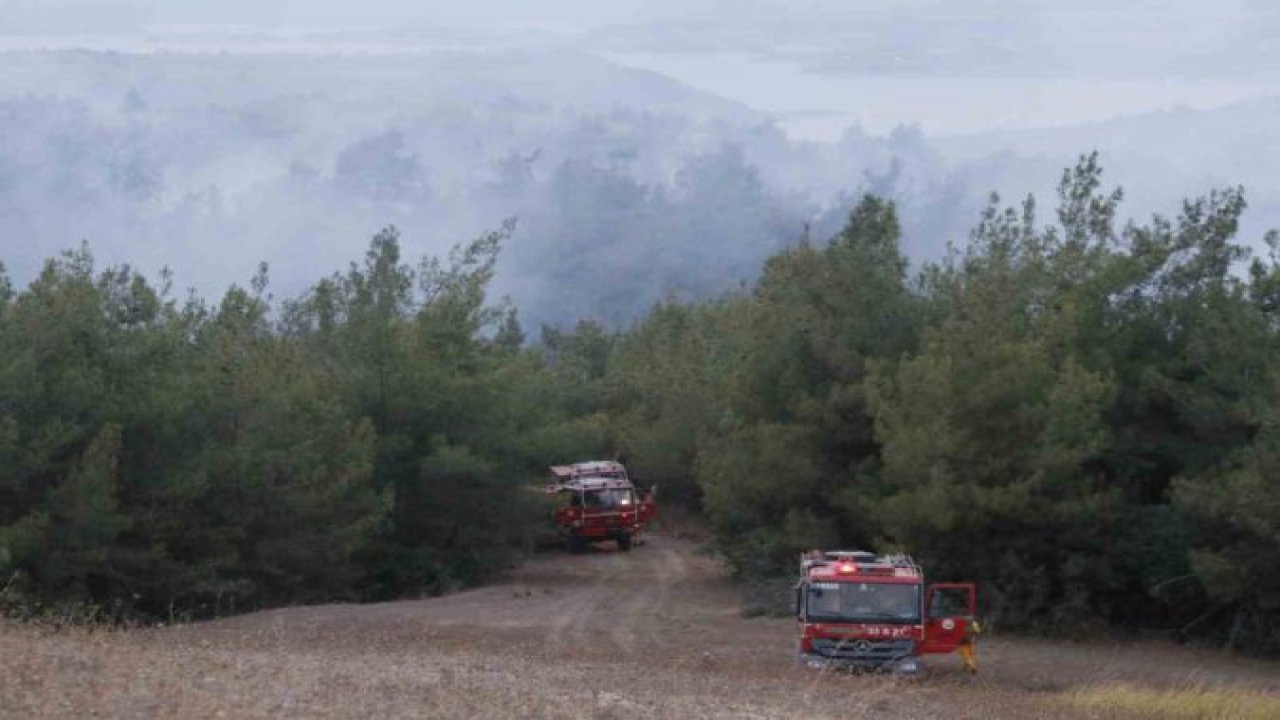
<point x="863" y="601"/>
<point x="619" y="498"/>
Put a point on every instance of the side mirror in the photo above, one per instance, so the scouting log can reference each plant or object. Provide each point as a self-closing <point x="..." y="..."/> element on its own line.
<point x="797" y="602"/>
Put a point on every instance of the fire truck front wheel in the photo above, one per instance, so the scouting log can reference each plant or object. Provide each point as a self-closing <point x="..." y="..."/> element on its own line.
<point x="624" y="542"/>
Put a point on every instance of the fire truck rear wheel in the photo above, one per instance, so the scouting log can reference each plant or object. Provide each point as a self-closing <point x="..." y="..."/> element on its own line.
<point x="624" y="542"/>
<point x="574" y="544"/>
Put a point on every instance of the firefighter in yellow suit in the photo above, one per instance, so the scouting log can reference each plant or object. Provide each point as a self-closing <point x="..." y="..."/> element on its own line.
<point x="966" y="647"/>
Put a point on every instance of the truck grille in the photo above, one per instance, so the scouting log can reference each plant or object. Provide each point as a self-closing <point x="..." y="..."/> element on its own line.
<point x="863" y="648"/>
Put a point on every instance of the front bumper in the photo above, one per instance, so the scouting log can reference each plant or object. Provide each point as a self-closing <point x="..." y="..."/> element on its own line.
<point x="906" y="666"/>
<point x="601" y="532"/>
<point x="896" y="655"/>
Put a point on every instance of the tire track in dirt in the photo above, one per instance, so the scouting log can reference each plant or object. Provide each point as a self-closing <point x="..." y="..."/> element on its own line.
<point x="620" y="595"/>
<point x="570" y="621"/>
<point x="651" y="584"/>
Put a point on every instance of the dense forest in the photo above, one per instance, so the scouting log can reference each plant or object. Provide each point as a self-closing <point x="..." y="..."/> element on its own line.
<point x="366" y="440"/>
<point x="1082" y="414"/>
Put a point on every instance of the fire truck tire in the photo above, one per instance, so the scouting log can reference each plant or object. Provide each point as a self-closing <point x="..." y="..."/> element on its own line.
<point x="624" y="542"/>
<point x="574" y="544"/>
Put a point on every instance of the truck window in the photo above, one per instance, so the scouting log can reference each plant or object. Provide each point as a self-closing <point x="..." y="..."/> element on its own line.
<point x="863" y="601"/>
<point x="949" y="602"/>
<point x="609" y="499"/>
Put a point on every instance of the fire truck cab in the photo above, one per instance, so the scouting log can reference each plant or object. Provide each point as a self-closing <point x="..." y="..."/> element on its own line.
<point x="600" y="504"/>
<point x="862" y="611"/>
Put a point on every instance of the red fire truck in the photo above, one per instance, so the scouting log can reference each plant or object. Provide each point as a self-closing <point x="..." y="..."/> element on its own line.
<point x="600" y="504"/>
<point x="859" y="610"/>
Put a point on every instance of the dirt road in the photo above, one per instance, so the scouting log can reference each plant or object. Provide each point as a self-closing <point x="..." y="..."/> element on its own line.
<point x="653" y="633"/>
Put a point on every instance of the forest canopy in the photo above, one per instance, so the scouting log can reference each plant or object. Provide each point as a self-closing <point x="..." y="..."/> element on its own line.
<point x="1077" y="413"/>
<point x="1080" y="413"/>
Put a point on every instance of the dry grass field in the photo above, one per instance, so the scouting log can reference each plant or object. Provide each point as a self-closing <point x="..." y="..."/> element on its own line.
<point x="655" y="633"/>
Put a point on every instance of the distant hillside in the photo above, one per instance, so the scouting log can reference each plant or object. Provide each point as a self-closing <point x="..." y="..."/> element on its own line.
<point x="209" y="163"/>
<point x="414" y="80"/>
<point x="628" y="186"/>
<point x="1158" y="157"/>
<point x="1244" y="131"/>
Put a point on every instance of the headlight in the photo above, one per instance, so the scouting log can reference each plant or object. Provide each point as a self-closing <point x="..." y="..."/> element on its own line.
<point x="948" y="624"/>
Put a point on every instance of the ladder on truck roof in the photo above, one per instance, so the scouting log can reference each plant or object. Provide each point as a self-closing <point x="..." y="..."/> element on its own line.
<point x="591" y="468"/>
<point x="862" y="558"/>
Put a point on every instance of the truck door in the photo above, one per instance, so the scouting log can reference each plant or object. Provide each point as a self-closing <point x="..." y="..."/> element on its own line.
<point x="949" y="613"/>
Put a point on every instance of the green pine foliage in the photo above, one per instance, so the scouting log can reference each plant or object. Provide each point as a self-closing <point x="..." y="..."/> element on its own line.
<point x="1081" y="415"/>
<point x="1077" y="414"/>
<point x="174" y="459"/>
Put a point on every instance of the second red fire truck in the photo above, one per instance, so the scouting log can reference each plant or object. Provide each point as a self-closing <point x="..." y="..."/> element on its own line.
<point x="600" y="504"/>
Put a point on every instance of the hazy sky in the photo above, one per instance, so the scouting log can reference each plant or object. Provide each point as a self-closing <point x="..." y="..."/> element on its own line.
<point x="88" y="15"/>
<point x="1161" y="22"/>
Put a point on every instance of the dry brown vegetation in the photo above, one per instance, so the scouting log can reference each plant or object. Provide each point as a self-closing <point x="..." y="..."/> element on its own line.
<point x="1190" y="703"/>
<point x="657" y="632"/>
